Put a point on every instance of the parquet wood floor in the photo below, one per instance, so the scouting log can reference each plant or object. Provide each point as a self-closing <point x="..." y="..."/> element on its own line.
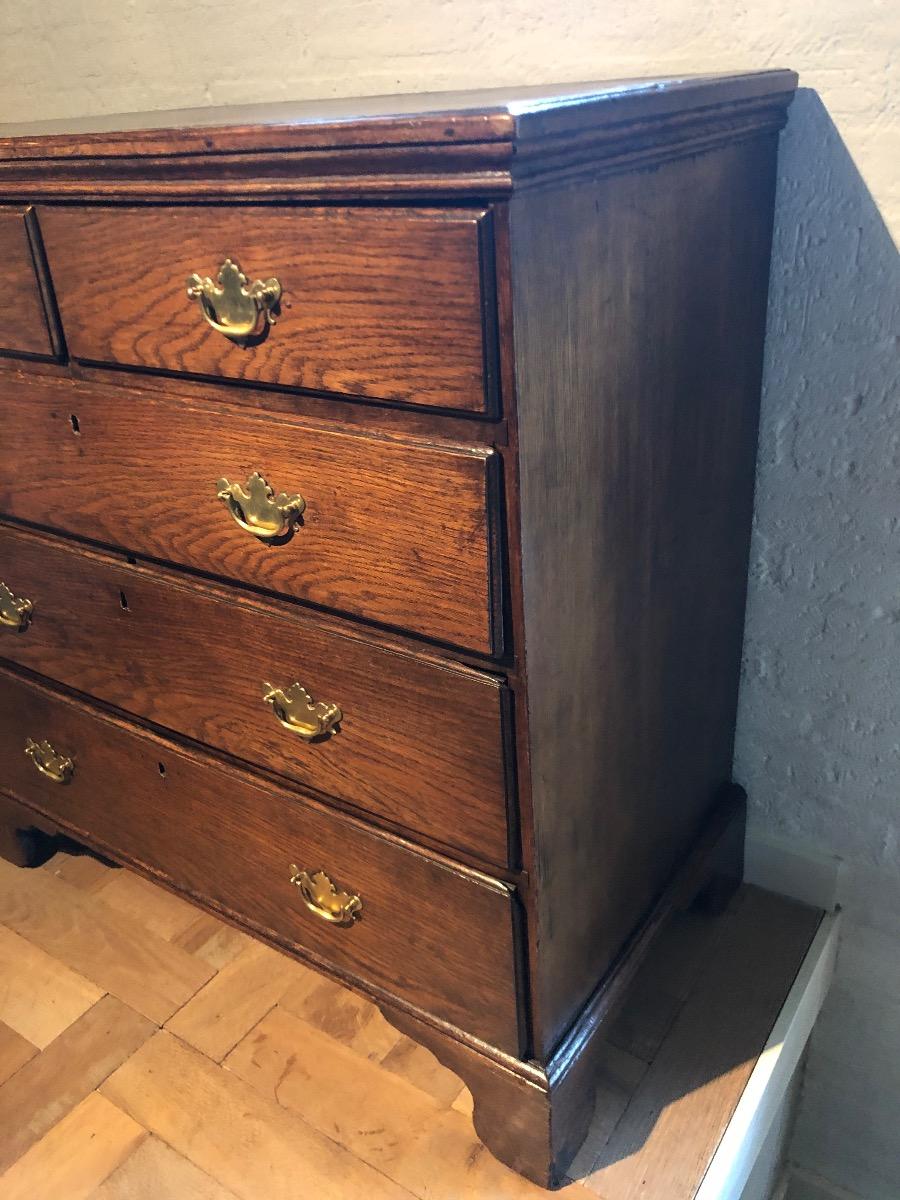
<point x="151" y="1052"/>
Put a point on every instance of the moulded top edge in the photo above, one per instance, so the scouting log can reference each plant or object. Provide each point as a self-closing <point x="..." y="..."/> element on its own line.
<point x="440" y="118"/>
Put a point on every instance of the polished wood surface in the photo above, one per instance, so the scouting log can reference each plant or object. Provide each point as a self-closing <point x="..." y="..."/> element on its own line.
<point x="420" y="745"/>
<point x="515" y="379"/>
<point x="438" y="936"/>
<point x="483" y="114"/>
<point x="485" y="145"/>
<point x="534" y="1119"/>
<point x="394" y="531"/>
<point x="638" y="375"/>
<point x="372" y="298"/>
<point x="24" y="320"/>
<point x="266" y="1063"/>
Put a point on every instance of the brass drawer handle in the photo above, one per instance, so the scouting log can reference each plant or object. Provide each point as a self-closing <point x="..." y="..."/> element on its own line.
<point x="258" y="510"/>
<point x="50" y="762"/>
<point x="15" y="612"/>
<point x="322" y="897"/>
<point x="231" y="307"/>
<point x="296" y="711"/>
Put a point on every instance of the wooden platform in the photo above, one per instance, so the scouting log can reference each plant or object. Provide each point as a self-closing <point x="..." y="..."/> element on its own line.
<point x="149" y="1052"/>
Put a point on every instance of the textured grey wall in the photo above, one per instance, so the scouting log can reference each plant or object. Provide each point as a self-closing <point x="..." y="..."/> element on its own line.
<point x="106" y="56"/>
<point x="818" y="737"/>
<point x="819" y="721"/>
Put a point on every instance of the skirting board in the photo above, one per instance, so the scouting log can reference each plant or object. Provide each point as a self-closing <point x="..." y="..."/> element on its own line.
<point x="791" y="869"/>
<point x="762" y="1098"/>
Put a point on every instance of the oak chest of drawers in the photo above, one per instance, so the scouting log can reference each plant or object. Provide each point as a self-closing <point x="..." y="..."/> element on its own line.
<point x="375" y="493"/>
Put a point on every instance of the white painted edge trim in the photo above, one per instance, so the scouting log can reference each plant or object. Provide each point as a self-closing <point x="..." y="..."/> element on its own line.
<point x="728" y="1172"/>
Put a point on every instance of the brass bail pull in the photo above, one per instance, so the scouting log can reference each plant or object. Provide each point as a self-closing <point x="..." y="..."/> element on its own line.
<point x="49" y="762"/>
<point x="15" y="611"/>
<point x="296" y="711"/>
<point x="257" y="509"/>
<point x="233" y="307"/>
<point x="322" y="897"/>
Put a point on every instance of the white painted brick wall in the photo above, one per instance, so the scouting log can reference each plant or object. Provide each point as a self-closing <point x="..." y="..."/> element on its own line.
<point x="102" y="56"/>
<point x="819" y="722"/>
<point x="819" y="726"/>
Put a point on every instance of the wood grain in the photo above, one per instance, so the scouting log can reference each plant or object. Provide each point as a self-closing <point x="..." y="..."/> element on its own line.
<point x="15" y="1052"/>
<point x="612" y="1092"/>
<point x="663" y="984"/>
<point x="638" y="374"/>
<point x="345" y="1016"/>
<point x="103" y="1137"/>
<point x="420" y="745"/>
<point x="679" y="1110"/>
<point x="163" y="913"/>
<point x="39" y="996"/>
<point x="23" y="323"/>
<point x="419" y="1067"/>
<point x="212" y="940"/>
<point x="437" y="935"/>
<point x="317" y="1064"/>
<point x="475" y="115"/>
<point x="244" y="1140"/>
<point x="117" y="954"/>
<point x="222" y="1012"/>
<point x="534" y="1115"/>
<point x="393" y="531"/>
<point x="448" y="146"/>
<point x="52" y="1084"/>
<point x="372" y="298"/>
<point x="422" y="1145"/>
<point x="153" y="1171"/>
<point x="280" y="1058"/>
<point x="81" y="870"/>
<point x="596" y="260"/>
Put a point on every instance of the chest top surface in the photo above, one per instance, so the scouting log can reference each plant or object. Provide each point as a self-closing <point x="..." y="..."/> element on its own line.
<point x="483" y="142"/>
<point x="482" y="115"/>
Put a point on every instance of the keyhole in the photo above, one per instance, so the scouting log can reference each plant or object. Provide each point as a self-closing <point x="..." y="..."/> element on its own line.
<point x="76" y="427"/>
<point x="162" y="769"/>
<point x="123" y="600"/>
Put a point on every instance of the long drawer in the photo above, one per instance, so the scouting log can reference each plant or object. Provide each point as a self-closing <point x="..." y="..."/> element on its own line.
<point x="439" y="936"/>
<point x="384" y="303"/>
<point x="416" y="742"/>
<point x="394" y="531"/>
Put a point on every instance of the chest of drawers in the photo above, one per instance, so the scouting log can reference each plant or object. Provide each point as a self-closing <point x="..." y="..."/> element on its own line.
<point x="375" y="494"/>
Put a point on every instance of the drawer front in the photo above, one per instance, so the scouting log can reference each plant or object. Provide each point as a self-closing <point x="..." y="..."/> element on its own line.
<point x="418" y="744"/>
<point x="438" y="936"/>
<point x="394" y="532"/>
<point x="24" y="324"/>
<point x="380" y="303"/>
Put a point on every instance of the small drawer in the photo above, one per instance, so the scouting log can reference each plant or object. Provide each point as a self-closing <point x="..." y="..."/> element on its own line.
<point x="386" y="303"/>
<point x="414" y="742"/>
<point x="437" y="935"/>
<point x="27" y="325"/>
<point x="393" y="531"/>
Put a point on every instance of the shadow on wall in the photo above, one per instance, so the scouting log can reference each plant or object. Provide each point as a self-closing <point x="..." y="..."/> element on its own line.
<point x="818" y="743"/>
<point x="818" y="737"/>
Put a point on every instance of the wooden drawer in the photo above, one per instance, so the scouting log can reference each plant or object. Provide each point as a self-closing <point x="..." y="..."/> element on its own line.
<point x="396" y="532"/>
<point x="26" y="326"/>
<point x="437" y="935"/>
<point x="380" y="303"/>
<point x="419" y="744"/>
